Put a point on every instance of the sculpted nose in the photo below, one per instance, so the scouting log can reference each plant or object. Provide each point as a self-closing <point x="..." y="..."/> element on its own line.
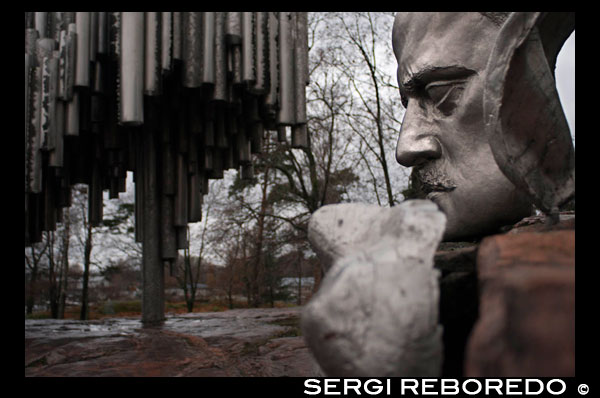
<point x="415" y="147"/>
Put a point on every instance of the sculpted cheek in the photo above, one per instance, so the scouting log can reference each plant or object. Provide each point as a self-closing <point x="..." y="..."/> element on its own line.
<point x="471" y="106"/>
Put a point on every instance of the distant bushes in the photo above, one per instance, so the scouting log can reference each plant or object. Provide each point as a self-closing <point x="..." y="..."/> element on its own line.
<point x="115" y="307"/>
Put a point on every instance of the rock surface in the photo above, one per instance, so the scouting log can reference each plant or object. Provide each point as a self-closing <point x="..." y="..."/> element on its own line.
<point x="248" y="342"/>
<point x="376" y="312"/>
<point x="527" y="307"/>
<point x="537" y="223"/>
<point x="337" y="230"/>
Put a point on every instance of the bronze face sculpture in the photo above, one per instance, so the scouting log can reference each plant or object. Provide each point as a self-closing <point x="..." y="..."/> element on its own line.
<point x="487" y="138"/>
<point x="479" y="157"/>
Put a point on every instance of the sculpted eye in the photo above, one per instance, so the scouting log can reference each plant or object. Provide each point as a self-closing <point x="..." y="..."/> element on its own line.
<point x="445" y="96"/>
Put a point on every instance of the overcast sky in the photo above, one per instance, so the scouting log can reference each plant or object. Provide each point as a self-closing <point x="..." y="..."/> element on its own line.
<point x="565" y="80"/>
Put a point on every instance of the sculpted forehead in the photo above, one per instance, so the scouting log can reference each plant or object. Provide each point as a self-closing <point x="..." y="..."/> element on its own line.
<point x="425" y="40"/>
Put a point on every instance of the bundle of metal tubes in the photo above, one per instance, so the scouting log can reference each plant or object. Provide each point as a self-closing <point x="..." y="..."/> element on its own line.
<point x="175" y="97"/>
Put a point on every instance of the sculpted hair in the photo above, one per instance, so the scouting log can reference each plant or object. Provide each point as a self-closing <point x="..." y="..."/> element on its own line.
<point x="497" y="18"/>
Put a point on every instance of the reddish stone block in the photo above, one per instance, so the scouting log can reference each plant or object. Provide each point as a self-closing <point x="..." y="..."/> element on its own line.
<point x="526" y="324"/>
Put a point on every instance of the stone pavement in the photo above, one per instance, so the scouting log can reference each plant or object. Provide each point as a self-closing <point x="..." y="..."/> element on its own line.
<point x="243" y="342"/>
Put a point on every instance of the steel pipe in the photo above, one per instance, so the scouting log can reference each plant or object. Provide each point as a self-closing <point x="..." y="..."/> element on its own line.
<point x="286" y="113"/>
<point x="132" y="68"/>
<point x="192" y="49"/>
<point x="248" y="48"/>
<point x="82" y="63"/>
<point x="152" y="54"/>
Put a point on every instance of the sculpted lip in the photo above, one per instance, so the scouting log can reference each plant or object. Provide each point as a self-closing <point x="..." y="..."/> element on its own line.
<point x="434" y="196"/>
<point x="428" y="187"/>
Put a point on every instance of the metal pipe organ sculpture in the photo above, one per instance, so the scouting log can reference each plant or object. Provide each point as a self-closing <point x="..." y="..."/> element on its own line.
<point x="175" y="97"/>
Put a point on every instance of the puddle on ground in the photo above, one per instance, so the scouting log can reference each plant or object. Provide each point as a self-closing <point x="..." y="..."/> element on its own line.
<point x="242" y="323"/>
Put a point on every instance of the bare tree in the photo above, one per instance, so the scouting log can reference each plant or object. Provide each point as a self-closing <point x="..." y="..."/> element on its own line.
<point x="359" y="48"/>
<point x="189" y="278"/>
<point x="63" y="281"/>
<point x="234" y="235"/>
<point x="258" y="257"/>
<point x="229" y="279"/>
<point x="85" y="238"/>
<point x="117" y="230"/>
<point x="319" y="173"/>
<point x="52" y="288"/>
<point x="32" y="262"/>
<point x="299" y="261"/>
<point x="296" y="182"/>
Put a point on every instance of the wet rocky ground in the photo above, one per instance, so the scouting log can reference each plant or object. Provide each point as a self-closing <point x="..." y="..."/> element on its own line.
<point x="244" y="342"/>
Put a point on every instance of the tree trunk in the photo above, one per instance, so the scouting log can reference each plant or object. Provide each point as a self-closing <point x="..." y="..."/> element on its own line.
<point x="86" y="273"/>
<point x="63" y="282"/>
<point x="189" y="278"/>
<point x="34" y="267"/>
<point x="258" y="256"/>
<point x="32" y="284"/>
<point x="246" y="277"/>
<point x="318" y="274"/>
<point x="31" y="295"/>
<point x="52" y="291"/>
<point x="230" y="297"/>
<point x="185" y="287"/>
<point x="299" y="298"/>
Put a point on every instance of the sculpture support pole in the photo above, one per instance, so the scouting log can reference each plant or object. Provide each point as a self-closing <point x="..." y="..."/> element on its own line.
<point x="153" y="279"/>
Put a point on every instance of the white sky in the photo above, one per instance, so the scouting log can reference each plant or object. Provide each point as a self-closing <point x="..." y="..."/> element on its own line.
<point x="565" y="80"/>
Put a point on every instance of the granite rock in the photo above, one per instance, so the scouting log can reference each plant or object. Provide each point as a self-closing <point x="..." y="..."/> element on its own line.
<point x="244" y="342"/>
<point x="376" y="312"/>
<point x="526" y="324"/>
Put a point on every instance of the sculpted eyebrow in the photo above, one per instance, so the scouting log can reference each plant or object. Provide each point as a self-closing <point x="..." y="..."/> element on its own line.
<point x="428" y="75"/>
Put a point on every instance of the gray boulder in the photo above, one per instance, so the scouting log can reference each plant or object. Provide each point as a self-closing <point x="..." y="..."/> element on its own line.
<point x="376" y="312"/>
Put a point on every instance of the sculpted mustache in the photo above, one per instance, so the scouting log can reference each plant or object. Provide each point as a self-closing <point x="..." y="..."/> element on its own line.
<point x="434" y="179"/>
